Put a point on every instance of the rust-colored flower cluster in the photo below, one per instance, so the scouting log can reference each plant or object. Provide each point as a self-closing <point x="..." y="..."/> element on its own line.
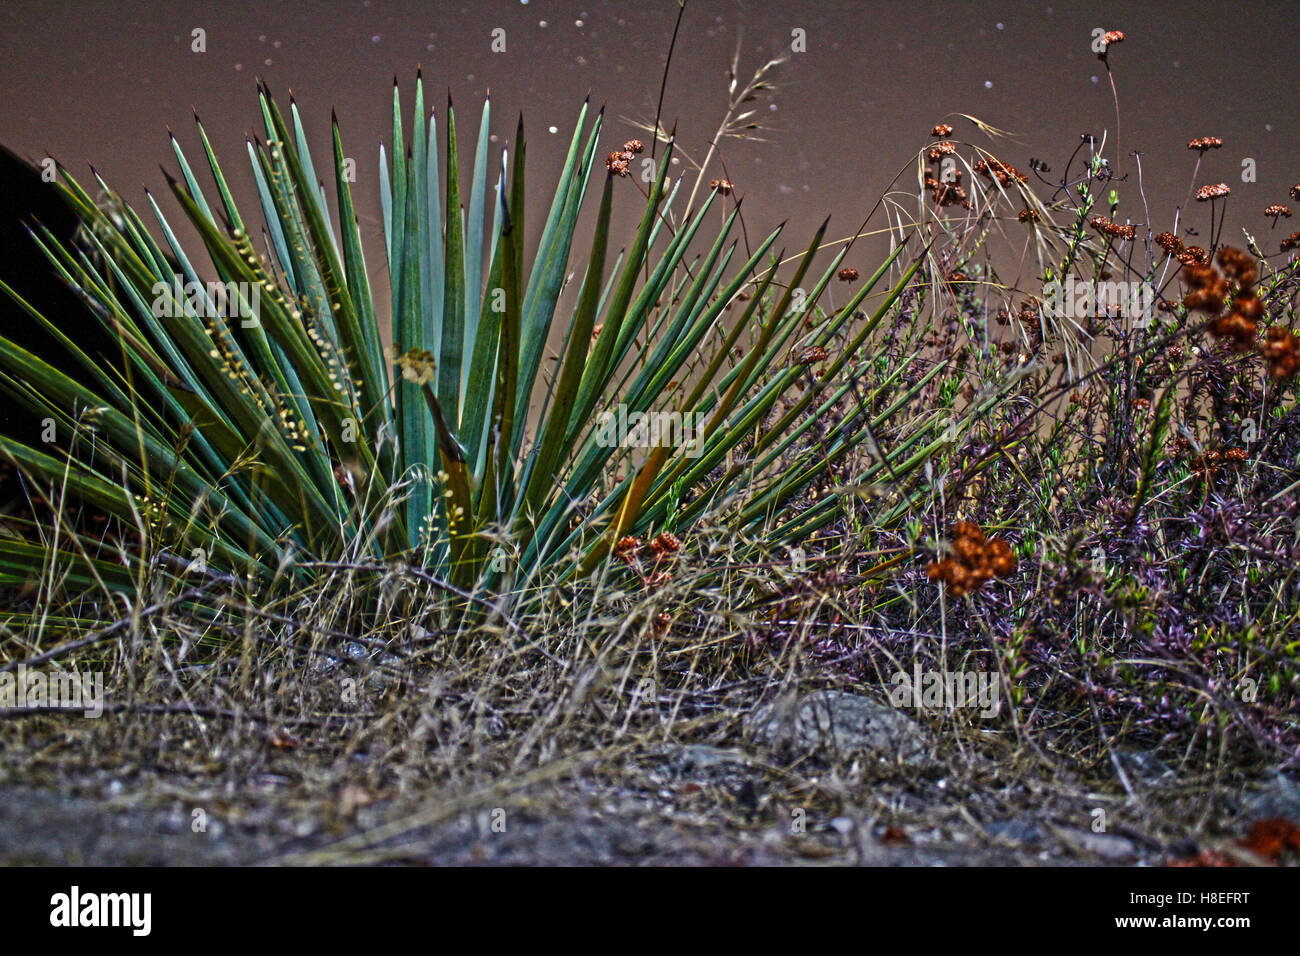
<point x="1269" y="839"/>
<point x="1029" y="215"/>
<point x="1125" y="232"/>
<point x="1277" y="211"/>
<point x="939" y="150"/>
<point x="1208" y="291"/>
<point x="1281" y="349"/>
<point x="1212" y="459"/>
<point x="1187" y="255"/>
<point x="1169" y="242"/>
<point x="665" y="542"/>
<point x="626" y="549"/>
<point x="630" y="545"/>
<point x="1213" y="191"/>
<point x="1004" y="173"/>
<point x="948" y="193"/>
<point x="1291" y="242"/>
<point x="662" y="547"/>
<point x="975" y="560"/>
<point x="1294" y="192"/>
<point x="941" y="129"/>
<point x="723" y="186"/>
<point x="1202" y="143"/>
<point x="1238" y="266"/>
<point x="848" y="274"/>
<point x="1110" y="36"/>
<point x="619" y="162"/>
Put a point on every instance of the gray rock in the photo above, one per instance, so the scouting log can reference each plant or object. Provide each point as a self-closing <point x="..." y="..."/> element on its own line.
<point x="837" y="724"/>
<point x="1279" y="797"/>
<point x="702" y="757"/>
<point x="1020" y="829"/>
<point x="843" y="825"/>
<point x="1108" y="846"/>
<point x="1145" y="765"/>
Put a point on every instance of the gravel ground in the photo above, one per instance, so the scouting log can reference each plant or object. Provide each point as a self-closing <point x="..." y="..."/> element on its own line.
<point x="829" y="778"/>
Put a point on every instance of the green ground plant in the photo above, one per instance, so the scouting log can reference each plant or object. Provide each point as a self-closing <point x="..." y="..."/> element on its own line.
<point x="260" y="426"/>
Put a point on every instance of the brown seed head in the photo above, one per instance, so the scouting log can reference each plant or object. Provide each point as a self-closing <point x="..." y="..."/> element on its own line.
<point x="1281" y="349"/>
<point x="975" y="560"/>
<point x="1169" y="242"/>
<point x="1238" y="265"/>
<point x="939" y="150"/>
<point x="627" y="546"/>
<point x="1236" y="328"/>
<point x="617" y="164"/>
<point x="665" y="542"/>
<point x="1004" y="173"/>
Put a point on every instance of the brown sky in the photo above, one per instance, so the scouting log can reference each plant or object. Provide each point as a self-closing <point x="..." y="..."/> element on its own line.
<point x="100" y="82"/>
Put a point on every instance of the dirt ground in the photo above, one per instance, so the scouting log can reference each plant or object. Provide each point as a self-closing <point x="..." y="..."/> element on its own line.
<point x="65" y="801"/>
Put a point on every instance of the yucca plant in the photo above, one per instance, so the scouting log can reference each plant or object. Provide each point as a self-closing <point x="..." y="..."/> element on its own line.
<point x="264" y="425"/>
